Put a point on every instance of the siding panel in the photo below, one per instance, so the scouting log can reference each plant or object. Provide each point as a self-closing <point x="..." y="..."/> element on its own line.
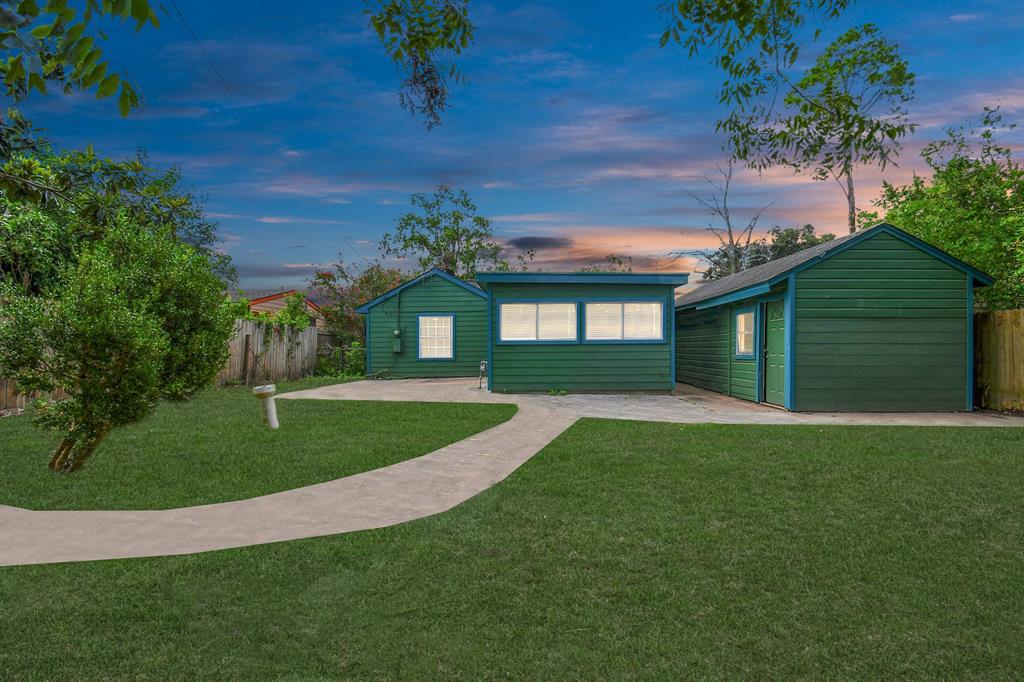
<point x="881" y="326"/>
<point x="581" y="366"/>
<point x="704" y="352"/>
<point x="433" y="295"/>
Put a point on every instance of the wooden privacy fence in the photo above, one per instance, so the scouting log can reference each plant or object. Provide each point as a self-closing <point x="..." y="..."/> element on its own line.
<point x="12" y="399"/>
<point x="999" y="359"/>
<point x="260" y="353"/>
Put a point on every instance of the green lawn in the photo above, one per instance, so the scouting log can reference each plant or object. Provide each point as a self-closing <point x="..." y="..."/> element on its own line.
<point x="216" y="448"/>
<point x="623" y="550"/>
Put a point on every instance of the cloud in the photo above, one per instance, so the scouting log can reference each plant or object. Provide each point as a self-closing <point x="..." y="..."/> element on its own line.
<point x="532" y="217"/>
<point x="963" y="17"/>
<point x="279" y="220"/>
<point x="274" y="270"/>
<point x="539" y="243"/>
<point x="248" y="70"/>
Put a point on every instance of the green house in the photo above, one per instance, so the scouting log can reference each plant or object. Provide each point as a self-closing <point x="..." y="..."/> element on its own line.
<point x="585" y="332"/>
<point x="432" y="326"/>
<point x="873" y="321"/>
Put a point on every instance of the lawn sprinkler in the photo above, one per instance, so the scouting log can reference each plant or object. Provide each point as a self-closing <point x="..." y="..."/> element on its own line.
<point x="266" y="394"/>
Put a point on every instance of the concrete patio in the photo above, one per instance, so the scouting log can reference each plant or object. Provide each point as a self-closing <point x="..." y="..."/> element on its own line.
<point x="690" y="405"/>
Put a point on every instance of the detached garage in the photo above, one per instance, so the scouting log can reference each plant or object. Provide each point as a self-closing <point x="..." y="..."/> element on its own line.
<point x="432" y="326"/>
<point x="873" y="321"/>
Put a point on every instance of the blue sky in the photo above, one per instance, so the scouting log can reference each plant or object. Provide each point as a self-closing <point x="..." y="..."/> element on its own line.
<point x="575" y="127"/>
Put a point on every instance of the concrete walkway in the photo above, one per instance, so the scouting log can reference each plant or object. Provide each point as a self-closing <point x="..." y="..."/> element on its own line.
<point x="394" y="494"/>
<point x="391" y="495"/>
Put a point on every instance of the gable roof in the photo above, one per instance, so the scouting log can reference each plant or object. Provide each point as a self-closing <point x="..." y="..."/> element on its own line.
<point x="281" y="294"/>
<point x="674" y="278"/>
<point x="758" y="280"/>
<point x="433" y="272"/>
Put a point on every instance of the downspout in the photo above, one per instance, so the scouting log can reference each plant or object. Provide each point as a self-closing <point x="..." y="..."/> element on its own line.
<point x="970" y="342"/>
<point x="790" y="345"/>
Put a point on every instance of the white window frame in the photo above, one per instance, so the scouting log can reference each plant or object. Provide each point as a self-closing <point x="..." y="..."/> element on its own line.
<point x="622" y="338"/>
<point x="537" y="330"/>
<point x="746" y="334"/>
<point x="420" y="336"/>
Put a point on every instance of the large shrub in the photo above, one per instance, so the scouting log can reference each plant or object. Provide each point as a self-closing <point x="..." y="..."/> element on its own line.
<point x="972" y="207"/>
<point x="137" y="318"/>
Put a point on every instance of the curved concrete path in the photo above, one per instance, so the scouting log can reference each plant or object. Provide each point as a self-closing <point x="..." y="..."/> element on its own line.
<point x="408" y="490"/>
<point x="401" y="492"/>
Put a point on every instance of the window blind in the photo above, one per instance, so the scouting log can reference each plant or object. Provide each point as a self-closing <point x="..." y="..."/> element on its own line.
<point x="556" y="321"/>
<point x="518" y="322"/>
<point x="538" y="321"/>
<point x="624" y="321"/>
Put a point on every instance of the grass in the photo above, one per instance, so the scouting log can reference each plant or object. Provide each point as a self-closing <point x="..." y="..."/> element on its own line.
<point x="216" y="448"/>
<point x="623" y="550"/>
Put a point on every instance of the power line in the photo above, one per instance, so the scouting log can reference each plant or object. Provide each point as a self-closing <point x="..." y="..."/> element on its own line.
<point x="202" y="49"/>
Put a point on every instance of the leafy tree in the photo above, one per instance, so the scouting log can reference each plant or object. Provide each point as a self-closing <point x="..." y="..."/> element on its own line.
<point x="447" y="234"/>
<point x="81" y="190"/>
<point x="342" y="290"/>
<point x="422" y="38"/>
<point x="778" y="243"/>
<point x="57" y="45"/>
<point x="754" y="43"/>
<point x="138" y="318"/>
<point x="972" y="207"/>
<point x="846" y="110"/>
<point x="34" y="245"/>
<point x="785" y="241"/>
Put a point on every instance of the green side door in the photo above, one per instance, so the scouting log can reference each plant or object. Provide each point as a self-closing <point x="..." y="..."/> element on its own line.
<point x="775" y="353"/>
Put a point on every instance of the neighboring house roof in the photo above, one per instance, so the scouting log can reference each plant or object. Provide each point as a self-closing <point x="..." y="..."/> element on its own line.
<point x="758" y="280"/>
<point x="281" y="294"/>
<point x="433" y="272"/>
<point x="675" y="278"/>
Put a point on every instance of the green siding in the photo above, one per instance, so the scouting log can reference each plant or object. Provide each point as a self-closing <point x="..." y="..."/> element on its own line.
<point x="881" y="326"/>
<point x="433" y="295"/>
<point x="705" y="357"/>
<point x="581" y="366"/>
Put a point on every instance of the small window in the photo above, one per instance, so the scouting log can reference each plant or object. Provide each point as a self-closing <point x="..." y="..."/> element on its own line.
<point x="538" y="321"/>
<point x="435" y="337"/>
<point x="624" y="321"/>
<point x="745" y="334"/>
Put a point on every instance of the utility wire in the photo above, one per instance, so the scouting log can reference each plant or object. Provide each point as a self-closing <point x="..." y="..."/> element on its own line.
<point x="202" y="48"/>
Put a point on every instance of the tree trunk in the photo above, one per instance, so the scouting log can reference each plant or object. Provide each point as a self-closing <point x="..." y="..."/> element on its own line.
<point x="851" y="202"/>
<point x="61" y="453"/>
<point x="73" y="452"/>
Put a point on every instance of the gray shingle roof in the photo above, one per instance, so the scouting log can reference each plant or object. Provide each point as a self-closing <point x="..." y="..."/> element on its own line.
<point x="762" y="273"/>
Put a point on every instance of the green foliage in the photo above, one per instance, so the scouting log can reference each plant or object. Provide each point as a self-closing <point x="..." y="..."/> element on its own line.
<point x="139" y="317"/>
<point x="447" y="234"/>
<point x="83" y="190"/>
<point x="778" y="243"/>
<point x="55" y="44"/>
<point x="846" y="110"/>
<point x="34" y="245"/>
<point x="355" y="358"/>
<point x="295" y="313"/>
<point x="613" y="262"/>
<point x="751" y="42"/>
<point x="422" y="38"/>
<point x="972" y="208"/>
<point x="341" y="290"/>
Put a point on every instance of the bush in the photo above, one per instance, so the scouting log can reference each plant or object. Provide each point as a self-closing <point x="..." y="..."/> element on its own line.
<point x="139" y="318"/>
